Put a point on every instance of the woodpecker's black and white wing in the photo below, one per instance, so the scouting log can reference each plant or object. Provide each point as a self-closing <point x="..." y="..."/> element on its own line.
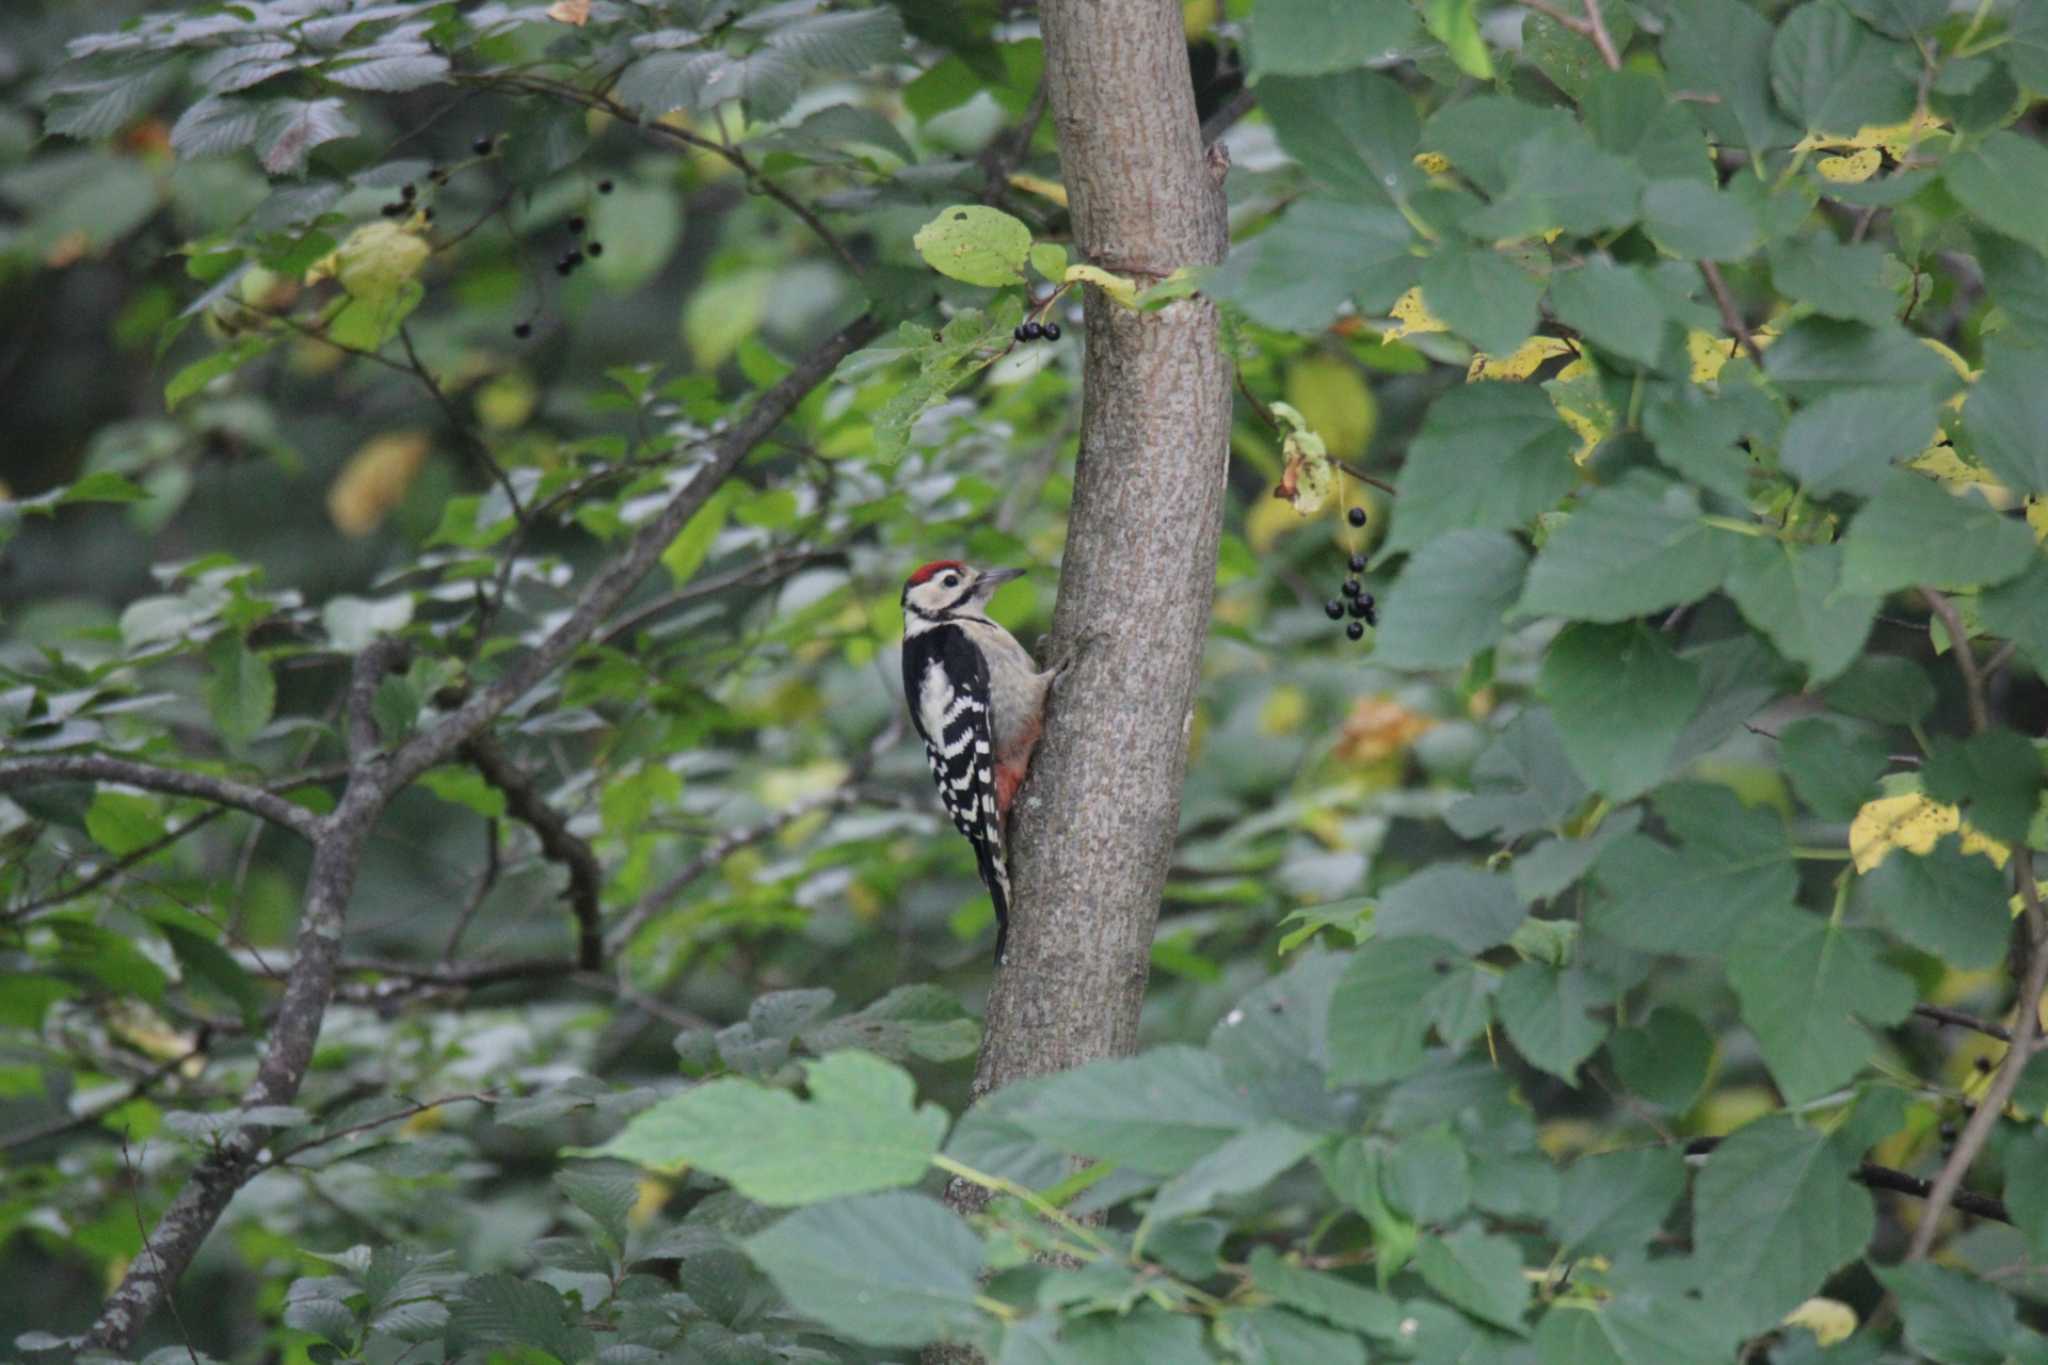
<point x="945" y="680"/>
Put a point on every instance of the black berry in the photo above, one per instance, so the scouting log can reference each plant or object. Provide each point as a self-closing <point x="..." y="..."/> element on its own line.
<point x="604" y="187"/>
<point x="523" y="330"/>
<point x="1358" y="563"/>
<point x="1052" y="331"/>
<point x="1020" y="334"/>
<point x="482" y="146"/>
<point x="392" y="210"/>
<point x="439" y="177"/>
<point x="428" y="214"/>
<point x="1357" y="515"/>
<point x="1361" y="607"/>
<point x="1334" y="609"/>
<point x="593" y="248"/>
<point x="408" y="191"/>
<point x="577" y="224"/>
<point x="1352" y="587"/>
<point x="1355" y="631"/>
<point x="1033" y="331"/>
<point x="564" y="266"/>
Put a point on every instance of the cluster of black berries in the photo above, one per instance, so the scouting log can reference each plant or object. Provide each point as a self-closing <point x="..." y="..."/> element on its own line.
<point x="1356" y="602"/>
<point x="583" y="250"/>
<point x="408" y="195"/>
<point x="1038" y="331"/>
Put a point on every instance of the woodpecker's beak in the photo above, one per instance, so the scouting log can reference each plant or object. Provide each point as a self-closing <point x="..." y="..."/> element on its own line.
<point x="992" y="579"/>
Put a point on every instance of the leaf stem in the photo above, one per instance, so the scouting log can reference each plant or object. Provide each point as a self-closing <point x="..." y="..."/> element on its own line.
<point x="1038" y="1205"/>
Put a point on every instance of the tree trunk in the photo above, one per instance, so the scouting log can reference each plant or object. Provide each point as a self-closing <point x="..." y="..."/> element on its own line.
<point x="1093" y="834"/>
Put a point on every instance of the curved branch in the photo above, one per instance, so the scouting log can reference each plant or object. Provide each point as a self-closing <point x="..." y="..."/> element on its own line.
<point x="222" y="791"/>
<point x="526" y="805"/>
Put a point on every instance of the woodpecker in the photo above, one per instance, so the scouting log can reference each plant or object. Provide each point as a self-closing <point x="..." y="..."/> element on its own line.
<point x="978" y="701"/>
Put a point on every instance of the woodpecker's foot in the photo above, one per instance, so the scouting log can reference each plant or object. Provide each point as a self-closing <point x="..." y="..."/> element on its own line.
<point x="1072" y="655"/>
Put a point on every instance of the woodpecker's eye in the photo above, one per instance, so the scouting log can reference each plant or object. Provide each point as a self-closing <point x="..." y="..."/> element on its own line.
<point x="951" y="580"/>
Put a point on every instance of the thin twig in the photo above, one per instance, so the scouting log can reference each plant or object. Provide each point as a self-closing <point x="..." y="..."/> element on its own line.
<point x="478" y="1097"/>
<point x="1550" y="11"/>
<point x="1597" y="27"/>
<point x="1228" y="113"/>
<point x="222" y="791"/>
<point x="1965" y="657"/>
<point x="758" y="574"/>
<point x="524" y="801"/>
<point x="135" y="1089"/>
<point x="484" y="883"/>
<point x="1942" y="1015"/>
<point x="1731" y="318"/>
<point x="1886" y="1178"/>
<point x="480" y="452"/>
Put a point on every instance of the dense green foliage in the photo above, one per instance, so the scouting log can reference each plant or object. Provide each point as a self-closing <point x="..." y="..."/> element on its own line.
<point x="1661" y="798"/>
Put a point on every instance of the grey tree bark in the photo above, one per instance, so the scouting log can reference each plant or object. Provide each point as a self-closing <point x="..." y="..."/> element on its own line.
<point x="1094" y="830"/>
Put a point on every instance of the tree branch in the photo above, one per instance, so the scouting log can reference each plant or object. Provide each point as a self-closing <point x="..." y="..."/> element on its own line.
<point x="525" y="803"/>
<point x="619" y="578"/>
<point x="1731" y="317"/>
<point x="339" y="838"/>
<point x="1942" y="1015"/>
<point x="222" y="791"/>
<point x="1898" y="1182"/>
<point x="1966" y="659"/>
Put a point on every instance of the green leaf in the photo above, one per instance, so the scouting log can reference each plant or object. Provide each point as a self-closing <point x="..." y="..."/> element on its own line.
<point x="2018" y="610"/>
<point x="1488" y="456"/>
<point x="1159" y="1112"/>
<point x="1665" y="1061"/>
<point x="2026" y="1183"/>
<point x="352" y="623"/>
<point x="1614" y="1202"/>
<point x="844" y="42"/>
<point x="857" y="1132"/>
<point x="1247" y="1162"/>
<point x="1632" y="548"/>
<point x="1614" y="307"/>
<point x="1731" y="864"/>
<point x="1946" y="903"/>
<point x="1377" y="1014"/>
<point x="1805" y="984"/>
<point x="1628" y="113"/>
<point x="197" y="375"/>
<point x="1483" y="134"/>
<point x="1465" y="906"/>
<point x="1274" y="1336"/>
<point x="1845" y="441"/>
<point x="1571" y="60"/>
<point x="975" y="244"/>
<point x="1833" y="771"/>
<point x="2003" y="180"/>
<point x="1318" y="37"/>
<point x="1953" y="1318"/>
<point x="2005" y="415"/>
<point x="1483" y="297"/>
<point x="890" y="1269"/>
<point x="1695" y="221"/>
<point x="504" y="1310"/>
<point x="1776" y="1213"/>
<point x="1841" y="280"/>
<point x="692" y="546"/>
<point x="2016" y="276"/>
<point x="122" y="822"/>
<point x="1559" y="181"/>
<point x="1621" y="698"/>
<point x="1455" y="24"/>
<point x="1354" y="131"/>
<point x="1834" y="75"/>
<point x="1915" y="532"/>
<point x="203" y="959"/>
<point x="1995" y="777"/>
<point x="1334" y="1300"/>
<point x="1697" y="434"/>
<point x="1545" y="1010"/>
<point x="1723" y="48"/>
<point x="409" y="71"/>
<point x="1298" y="272"/>
<point x="1479" y="1273"/>
<point x="1428" y="1176"/>
<point x="1883" y="688"/>
<point x="240" y="691"/>
<point x="1521" y="782"/>
<point x="1451" y="600"/>
<point x="1819" y="355"/>
<point x="1792" y="593"/>
<point x="465" y="787"/>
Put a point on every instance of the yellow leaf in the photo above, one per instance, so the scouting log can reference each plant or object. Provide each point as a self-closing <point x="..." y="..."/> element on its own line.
<point x="1117" y="287"/>
<point x="1379" y="728"/>
<point x="1309" y="477"/>
<point x="2037" y="516"/>
<point x="1519" y="363"/>
<point x="1332" y="396"/>
<point x="506" y="401"/>
<point x="1915" y="823"/>
<point x="1432" y="163"/>
<point x="650" y="1194"/>
<point x="1853" y="169"/>
<point x="375" y="480"/>
<point x="575" y="12"/>
<point x="1830" y="1320"/>
<point x="375" y="262"/>
<point x="1285" y="710"/>
<point x="1040" y="186"/>
<point x="1412" y="316"/>
<point x="1709" y="352"/>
